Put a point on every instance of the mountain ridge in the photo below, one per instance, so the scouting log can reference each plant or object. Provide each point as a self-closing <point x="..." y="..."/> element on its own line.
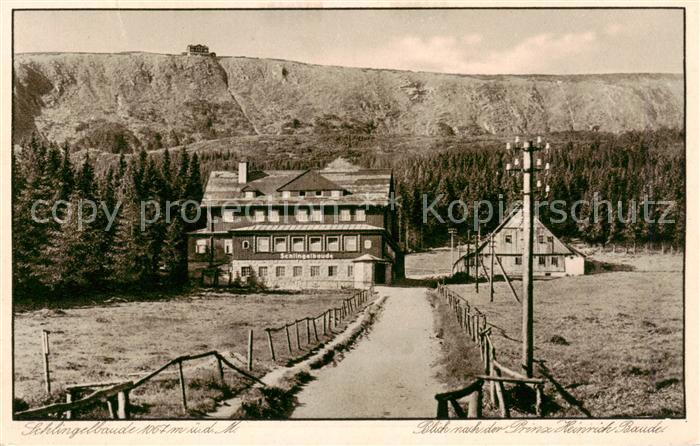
<point x="124" y="101"/>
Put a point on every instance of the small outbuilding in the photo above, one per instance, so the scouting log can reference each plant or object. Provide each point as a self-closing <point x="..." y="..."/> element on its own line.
<point x="552" y="257"/>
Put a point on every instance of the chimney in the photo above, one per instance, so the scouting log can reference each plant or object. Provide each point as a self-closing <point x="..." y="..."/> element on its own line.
<point x="242" y="172"/>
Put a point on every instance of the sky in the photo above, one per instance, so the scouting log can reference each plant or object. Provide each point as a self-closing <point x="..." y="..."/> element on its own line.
<point x="510" y="41"/>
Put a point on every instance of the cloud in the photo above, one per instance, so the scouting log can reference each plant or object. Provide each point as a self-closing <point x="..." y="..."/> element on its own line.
<point x="540" y="53"/>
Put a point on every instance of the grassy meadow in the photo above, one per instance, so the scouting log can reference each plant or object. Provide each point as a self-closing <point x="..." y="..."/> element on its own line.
<point x="612" y="341"/>
<point x="128" y="339"/>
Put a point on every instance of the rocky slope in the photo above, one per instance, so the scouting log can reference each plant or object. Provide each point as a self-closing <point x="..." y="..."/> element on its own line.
<point x="122" y="101"/>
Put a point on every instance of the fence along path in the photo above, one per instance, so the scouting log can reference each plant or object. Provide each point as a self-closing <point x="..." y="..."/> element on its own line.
<point x="326" y="321"/>
<point x="474" y="324"/>
<point x="116" y="394"/>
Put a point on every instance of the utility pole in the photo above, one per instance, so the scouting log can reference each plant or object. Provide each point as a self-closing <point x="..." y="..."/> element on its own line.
<point x="469" y="242"/>
<point x="528" y="148"/>
<point x="452" y="232"/>
<point x="492" y="246"/>
<point x="477" y="257"/>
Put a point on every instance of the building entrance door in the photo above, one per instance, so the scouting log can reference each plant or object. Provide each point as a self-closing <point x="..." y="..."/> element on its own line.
<point x="379" y="273"/>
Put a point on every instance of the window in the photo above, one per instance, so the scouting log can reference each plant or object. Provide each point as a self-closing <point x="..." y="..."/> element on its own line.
<point x="315" y="271"/>
<point x="280" y="244"/>
<point x="250" y="194"/>
<point x="245" y="244"/>
<point x="333" y="244"/>
<point x="302" y="215"/>
<point x="263" y="244"/>
<point x="335" y="193"/>
<point x="509" y="238"/>
<point x="540" y="238"/>
<point x="542" y="260"/>
<point x="332" y="271"/>
<point x="555" y="261"/>
<point x="345" y="215"/>
<point x="286" y="194"/>
<point x="298" y="244"/>
<point x="279" y="271"/>
<point x="274" y="215"/>
<point x="202" y="245"/>
<point x="368" y="244"/>
<point x="317" y="215"/>
<point x="518" y="260"/>
<point x="262" y="271"/>
<point x="296" y="271"/>
<point x="259" y="216"/>
<point x="228" y="246"/>
<point x="319" y="193"/>
<point x="360" y="215"/>
<point x="315" y="244"/>
<point x="245" y="271"/>
<point x="350" y="271"/>
<point x="229" y="216"/>
<point x="350" y="242"/>
<point x="302" y="193"/>
<point x="550" y="239"/>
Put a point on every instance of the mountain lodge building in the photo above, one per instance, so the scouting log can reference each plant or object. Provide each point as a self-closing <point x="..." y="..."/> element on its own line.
<point x="299" y="229"/>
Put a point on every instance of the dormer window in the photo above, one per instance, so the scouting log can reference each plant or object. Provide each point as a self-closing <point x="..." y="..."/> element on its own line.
<point x="250" y="194"/>
<point x="302" y="193"/>
<point x="286" y="194"/>
<point x="336" y="193"/>
<point x="319" y="193"/>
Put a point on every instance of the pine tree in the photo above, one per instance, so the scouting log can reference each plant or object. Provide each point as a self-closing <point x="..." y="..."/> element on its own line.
<point x="129" y="257"/>
<point x="66" y="175"/>
<point x="30" y="234"/>
<point x="174" y="253"/>
<point x="182" y="175"/>
<point x="193" y="188"/>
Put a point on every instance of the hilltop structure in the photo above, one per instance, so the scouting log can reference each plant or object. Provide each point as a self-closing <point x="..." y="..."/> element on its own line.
<point x="328" y="228"/>
<point x="198" y="50"/>
<point x="552" y="257"/>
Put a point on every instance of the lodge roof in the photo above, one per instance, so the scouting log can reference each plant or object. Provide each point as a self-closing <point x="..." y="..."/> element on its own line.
<point x="309" y="227"/>
<point x="360" y="186"/>
<point x="310" y="181"/>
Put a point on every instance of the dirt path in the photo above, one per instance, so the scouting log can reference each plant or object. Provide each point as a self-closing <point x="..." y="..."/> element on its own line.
<point x="388" y="374"/>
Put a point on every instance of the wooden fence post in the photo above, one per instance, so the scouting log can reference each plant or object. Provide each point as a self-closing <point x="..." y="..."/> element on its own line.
<point x="308" y="332"/>
<point x="475" y="401"/>
<point x="250" y="350"/>
<point x="69" y="399"/>
<point x="538" y="399"/>
<point x="296" y="330"/>
<point x="182" y="387"/>
<point x="270" y="344"/>
<point x="45" y="348"/>
<point x="442" y="412"/>
<point x="123" y="405"/>
<point x="492" y="384"/>
<point x="313" y="321"/>
<point x="289" y="338"/>
<point x="221" y="369"/>
<point x="112" y="407"/>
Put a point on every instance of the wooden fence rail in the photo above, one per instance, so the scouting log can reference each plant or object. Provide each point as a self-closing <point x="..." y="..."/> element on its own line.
<point x="327" y="321"/>
<point x="116" y="395"/>
<point x="476" y="328"/>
